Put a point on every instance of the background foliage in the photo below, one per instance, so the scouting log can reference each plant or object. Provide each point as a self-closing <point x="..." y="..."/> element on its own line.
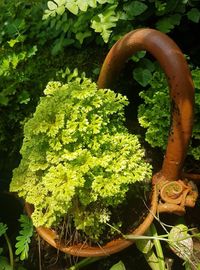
<point x="154" y="112"/>
<point x="40" y="39"/>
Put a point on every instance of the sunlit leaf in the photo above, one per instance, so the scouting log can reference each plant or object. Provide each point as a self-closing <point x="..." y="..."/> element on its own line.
<point x="51" y="5"/>
<point x="118" y="266"/>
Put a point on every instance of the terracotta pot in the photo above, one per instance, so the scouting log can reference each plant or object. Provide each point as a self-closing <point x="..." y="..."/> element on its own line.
<point x="181" y="94"/>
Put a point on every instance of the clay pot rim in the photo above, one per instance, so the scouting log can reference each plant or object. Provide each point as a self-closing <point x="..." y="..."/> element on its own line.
<point x="84" y="250"/>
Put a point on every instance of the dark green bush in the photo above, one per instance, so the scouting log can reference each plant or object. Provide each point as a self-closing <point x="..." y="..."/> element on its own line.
<point x="154" y="113"/>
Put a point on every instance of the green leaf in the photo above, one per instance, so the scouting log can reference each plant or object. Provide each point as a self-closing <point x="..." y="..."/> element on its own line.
<point x="148" y="64"/>
<point x="118" y="266"/>
<point x="3" y="228"/>
<point x="142" y="76"/>
<point x="103" y="22"/>
<point x="60" y="10"/>
<point x="82" y="4"/>
<point x="4" y="100"/>
<point x="81" y="36"/>
<point x="4" y="264"/>
<point x="12" y="42"/>
<point x="138" y="55"/>
<point x="72" y="7"/>
<point x="60" y="2"/>
<point x="196" y="78"/>
<point x="166" y="24"/>
<point x="24" y="237"/>
<point x="31" y="52"/>
<point x="92" y="3"/>
<point x="51" y="5"/>
<point x="181" y="242"/>
<point x="134" y="8"/>
<point x="144" y="245"/>
<point x="194" y="15"/>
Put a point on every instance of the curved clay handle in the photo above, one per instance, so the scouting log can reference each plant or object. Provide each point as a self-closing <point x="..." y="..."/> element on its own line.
<point x="180" y="83"/>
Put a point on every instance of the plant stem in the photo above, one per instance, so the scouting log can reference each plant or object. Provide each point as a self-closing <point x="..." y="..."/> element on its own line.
<point x="84" y="263"/>
<point x="10" y="250"/>
<point x="152" y="260"/>
<point x="158" y="247"/>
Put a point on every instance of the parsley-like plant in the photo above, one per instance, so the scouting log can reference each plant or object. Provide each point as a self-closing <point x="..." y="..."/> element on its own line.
<point x="78" y="159"/>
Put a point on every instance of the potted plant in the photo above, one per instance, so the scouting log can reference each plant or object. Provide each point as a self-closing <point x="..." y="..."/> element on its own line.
<point x="78" y="159"/>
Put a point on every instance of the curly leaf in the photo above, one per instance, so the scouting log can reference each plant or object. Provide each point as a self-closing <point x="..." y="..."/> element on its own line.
<point x="79" y="151"/>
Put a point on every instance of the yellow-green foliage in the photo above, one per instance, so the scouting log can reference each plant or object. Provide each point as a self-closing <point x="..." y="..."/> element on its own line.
<point x="77" y="156"/>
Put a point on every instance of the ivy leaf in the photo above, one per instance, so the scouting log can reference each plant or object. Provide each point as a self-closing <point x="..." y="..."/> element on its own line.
<point x="118" y="266"/>
<point x="142" y="76"/>
<point x="148" y="64"/>
<point x="166" y="24"/>
<point x="194" y="15"/>
<point x="51" y="5"/>
<point x="135" y="8"/>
